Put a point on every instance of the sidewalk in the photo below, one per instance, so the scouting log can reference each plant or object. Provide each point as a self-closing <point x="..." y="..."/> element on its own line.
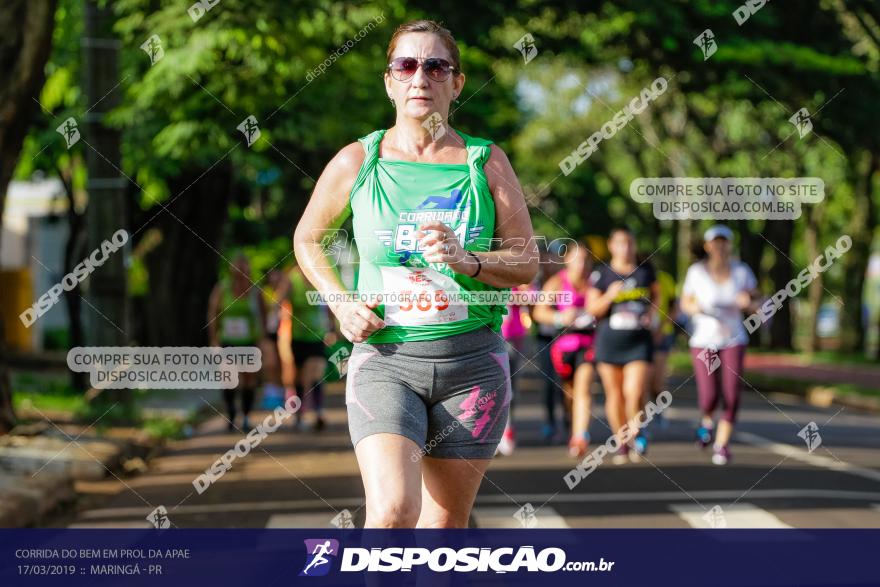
<point x="799" y="367"/>
<point x="50" y="463"/>
<point x="285" y="465"/>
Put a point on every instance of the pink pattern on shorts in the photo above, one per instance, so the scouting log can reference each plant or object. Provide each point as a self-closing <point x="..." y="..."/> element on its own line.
<point x="482" y="405"/>
<point x="473" y="404"/>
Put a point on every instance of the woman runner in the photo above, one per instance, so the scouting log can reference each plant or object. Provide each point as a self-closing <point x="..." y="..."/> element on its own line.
<point x="428" y="382"/>
<point x="623" y="298"/>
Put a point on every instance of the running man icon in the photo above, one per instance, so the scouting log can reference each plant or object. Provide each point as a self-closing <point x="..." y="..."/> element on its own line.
<point x="317" y="553"/>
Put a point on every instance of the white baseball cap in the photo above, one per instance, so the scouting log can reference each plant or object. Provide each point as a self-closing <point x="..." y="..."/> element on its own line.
<point x="718" y="231"/>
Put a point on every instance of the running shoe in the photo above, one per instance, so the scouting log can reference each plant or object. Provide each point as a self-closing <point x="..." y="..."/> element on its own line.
<point x="621" y="456"/>
<point x="508" y="442"/>
<point x="640" y="444"/>
<point x="577" y="446"/>
<point x="246" y="425"/>
<point x="319" y="423"/>
<point x="704" y="436"/>
<point x="548" y="431"/>
<point x="721" y="455"/>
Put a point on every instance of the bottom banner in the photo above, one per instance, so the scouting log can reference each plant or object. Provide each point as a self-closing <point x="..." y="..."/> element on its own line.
<point x="439" y="557"/>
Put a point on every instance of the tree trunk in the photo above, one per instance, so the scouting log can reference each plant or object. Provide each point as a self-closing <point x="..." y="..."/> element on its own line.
<point x="183" y="267"/>
<point x="814" y="294"/>
<point x="861" y="231"/>
<point x="751" y="250"/>
<point x="779" y="233"/>
<point x="751" y="246"/>
<point x="74" y="250"/>
<point x="24" y="48"/>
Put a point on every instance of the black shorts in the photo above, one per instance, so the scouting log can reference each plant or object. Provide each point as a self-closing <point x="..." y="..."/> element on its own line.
<point x="305" y="349"/>
<point x="567" y="362"/>
<point x="619" y="347"/>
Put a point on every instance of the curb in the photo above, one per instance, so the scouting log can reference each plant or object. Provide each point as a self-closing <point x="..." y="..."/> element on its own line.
<point x="24" y="501"/>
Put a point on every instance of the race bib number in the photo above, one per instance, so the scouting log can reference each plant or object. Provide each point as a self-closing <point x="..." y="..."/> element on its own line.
<point x="420" y="296"/>
<point x="235" y="328"/>
<point x="624" y="321"/>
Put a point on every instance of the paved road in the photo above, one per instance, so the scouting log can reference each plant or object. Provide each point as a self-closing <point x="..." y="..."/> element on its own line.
<point x="300" y="479"/>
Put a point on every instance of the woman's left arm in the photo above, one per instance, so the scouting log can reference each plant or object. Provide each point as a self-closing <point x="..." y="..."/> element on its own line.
<point x="515" y="261"/>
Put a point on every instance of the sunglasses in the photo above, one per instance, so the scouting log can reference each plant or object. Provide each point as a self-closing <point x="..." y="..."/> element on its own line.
<point x="403" y="68"/>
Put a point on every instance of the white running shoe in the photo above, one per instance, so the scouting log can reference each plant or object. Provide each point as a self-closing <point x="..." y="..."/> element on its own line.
<point x="721" y="455"/>
<point x="508" y="442"/>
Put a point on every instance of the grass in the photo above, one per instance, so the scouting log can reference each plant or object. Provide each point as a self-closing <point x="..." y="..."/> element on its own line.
<point x="44" y="402"/>
<point x="680" y="362"/>
<point x="41" y="393"/>
<point x="46" y="393"/>
<point x="165" y="428"/>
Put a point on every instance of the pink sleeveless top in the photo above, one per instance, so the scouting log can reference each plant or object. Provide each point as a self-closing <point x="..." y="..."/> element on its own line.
<point x="572" y="341"/>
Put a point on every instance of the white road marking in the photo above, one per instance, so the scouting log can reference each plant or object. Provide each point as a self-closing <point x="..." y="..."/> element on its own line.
<point x="802" y="455"/>
<point x="120" y="524"/>
<point x="305" y="520"/>
<point x="519" y="498"/>
<point x="739" y="515"/>
<point x="505" y="517"/>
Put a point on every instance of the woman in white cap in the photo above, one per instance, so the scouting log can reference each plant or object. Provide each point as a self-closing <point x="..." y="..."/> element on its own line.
<point x="716" y="292"/>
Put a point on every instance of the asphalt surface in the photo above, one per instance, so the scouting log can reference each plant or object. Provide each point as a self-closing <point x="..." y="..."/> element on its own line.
<point x="308" y="479"/>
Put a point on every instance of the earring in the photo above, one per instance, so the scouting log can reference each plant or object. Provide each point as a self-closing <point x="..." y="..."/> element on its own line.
<point x="392" y="100"/>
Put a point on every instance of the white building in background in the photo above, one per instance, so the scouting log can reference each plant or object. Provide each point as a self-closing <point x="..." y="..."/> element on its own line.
<point x="33" y="238"/>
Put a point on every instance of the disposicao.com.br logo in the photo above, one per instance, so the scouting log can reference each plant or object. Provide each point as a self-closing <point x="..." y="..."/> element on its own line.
<point x="318" y="556"/>
<point x="320" y="553"/>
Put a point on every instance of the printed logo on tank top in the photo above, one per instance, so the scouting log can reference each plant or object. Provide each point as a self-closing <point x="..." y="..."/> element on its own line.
<point x="629" y="306"/>
<point x="401" y="240"/>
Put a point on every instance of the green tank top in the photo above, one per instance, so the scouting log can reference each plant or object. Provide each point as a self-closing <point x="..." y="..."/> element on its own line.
<point x="308" y="324"/>
<point x="389" y="201"/>
<point x="239" y="323"/>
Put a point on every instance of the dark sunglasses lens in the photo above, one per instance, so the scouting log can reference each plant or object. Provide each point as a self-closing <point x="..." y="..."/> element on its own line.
<point x="404" y="67"/>
<point x="437" y="69"/>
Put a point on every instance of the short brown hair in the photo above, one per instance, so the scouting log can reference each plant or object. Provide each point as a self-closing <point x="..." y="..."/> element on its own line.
<point x="427" y="26"/>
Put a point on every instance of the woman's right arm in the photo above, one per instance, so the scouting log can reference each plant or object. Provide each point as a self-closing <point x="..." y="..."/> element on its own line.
<point x="599" y="302"/>
<point x="689" y="304"/>
<point x="326" y="211"/>
<point x="546" y="313"/>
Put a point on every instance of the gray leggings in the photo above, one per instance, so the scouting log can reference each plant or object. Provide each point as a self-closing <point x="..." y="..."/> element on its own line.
<point x="449" y="396"/>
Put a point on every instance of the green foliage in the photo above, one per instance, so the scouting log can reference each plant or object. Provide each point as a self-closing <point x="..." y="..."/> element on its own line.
<point x="725" y="116"/>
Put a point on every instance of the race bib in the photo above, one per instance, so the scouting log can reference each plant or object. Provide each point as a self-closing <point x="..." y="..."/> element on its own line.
<point x="420" y="296"/>
<point x="624" y="320"/>
<point x="235" y="328"/>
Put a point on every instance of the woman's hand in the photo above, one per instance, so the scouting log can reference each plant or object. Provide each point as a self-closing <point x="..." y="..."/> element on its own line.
<point x="743" y="300"/>
<point x="614" y="288"/>
<point x="568" y="316"/>
<point x="439" y="244"/>
<point x="357" y="321"/>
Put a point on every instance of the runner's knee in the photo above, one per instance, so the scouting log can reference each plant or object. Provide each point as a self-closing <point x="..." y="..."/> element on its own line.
<point x="401" y="513"/>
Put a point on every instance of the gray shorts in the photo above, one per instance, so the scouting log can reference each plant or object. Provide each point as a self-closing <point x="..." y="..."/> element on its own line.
<point x="450" y="396"/>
